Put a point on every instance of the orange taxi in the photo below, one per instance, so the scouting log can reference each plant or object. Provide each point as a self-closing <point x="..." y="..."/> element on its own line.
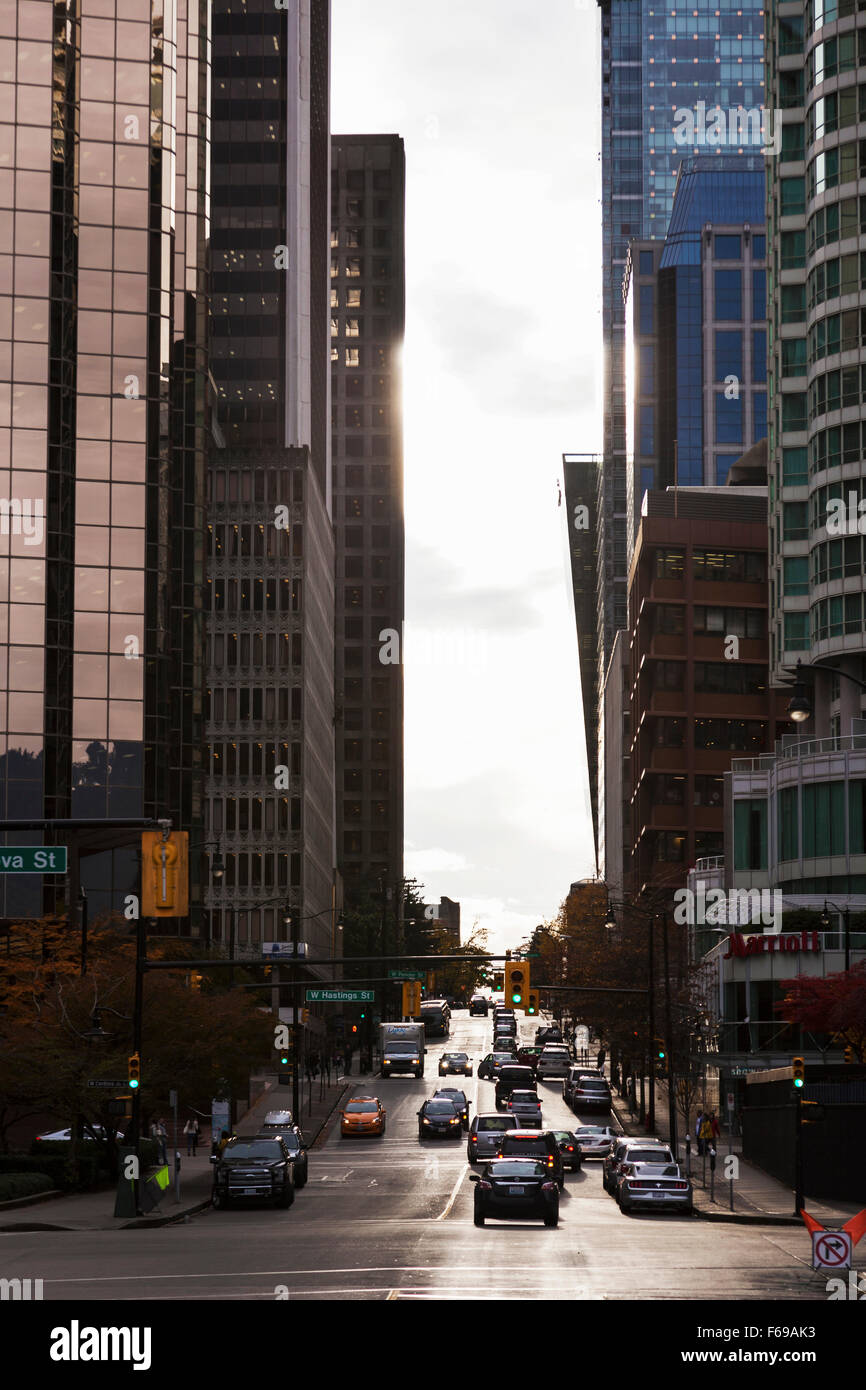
<point x="363" y="1115"/>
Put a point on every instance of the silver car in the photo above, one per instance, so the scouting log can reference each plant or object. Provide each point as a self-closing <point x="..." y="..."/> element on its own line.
<point x="527" y="1108"/>
<point x="594" y="1141"/>
<point x="485" y="1132"/>
<point x="659" y="1185"/>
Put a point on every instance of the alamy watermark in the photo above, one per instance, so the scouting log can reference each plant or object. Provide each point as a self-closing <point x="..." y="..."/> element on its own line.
<point x="23" y="516"/>
<point x="720" y="907"/>
<point x="755" y="127"/>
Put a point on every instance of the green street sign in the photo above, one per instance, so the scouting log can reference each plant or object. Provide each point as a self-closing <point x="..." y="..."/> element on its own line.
<point x="406" y="975"/>
<point x="33" y="859"/>
<point x="339" y="996"/>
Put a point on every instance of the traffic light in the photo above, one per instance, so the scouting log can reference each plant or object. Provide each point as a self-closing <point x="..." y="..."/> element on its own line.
<point x="516" y="983"/>
<point x="849" y="1054"/>
<point x="164" y="874"/>
<point x="411" y="998"/>
<point x="532" y="1002"/>
<point x="305" y="1015"/>
<point x="134" y="1071"/>
<point x="798" y="1068"/>
<point x="355" y="1027"/>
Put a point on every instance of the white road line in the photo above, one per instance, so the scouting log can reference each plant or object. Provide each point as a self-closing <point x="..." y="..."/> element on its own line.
<point x="285" y="1273"/>
<point x="451" y="1200"/>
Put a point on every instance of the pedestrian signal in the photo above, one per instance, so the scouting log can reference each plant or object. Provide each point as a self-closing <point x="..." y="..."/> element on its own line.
<point x="164" y="874"/>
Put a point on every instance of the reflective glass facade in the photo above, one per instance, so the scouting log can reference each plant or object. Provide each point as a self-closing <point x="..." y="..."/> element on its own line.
<point x="656" y="63"/>
<point x="103" y="379"/>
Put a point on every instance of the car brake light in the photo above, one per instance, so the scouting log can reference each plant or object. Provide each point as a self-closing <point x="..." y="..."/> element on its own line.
<point x="548" y="1187"/>
<point x="681" y="1186"/>
<point x="486" y="1186"/>
<point x="550" y="1162"/>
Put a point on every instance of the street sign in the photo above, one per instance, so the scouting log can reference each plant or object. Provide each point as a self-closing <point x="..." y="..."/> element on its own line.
<point x="109" y="1085"/>
<point x="277" y="949"/>
<point x="33" y="859"/>
<point x="406" y="974"/>
<point x="339" y="996"/>
<point x="831" y="1250"/>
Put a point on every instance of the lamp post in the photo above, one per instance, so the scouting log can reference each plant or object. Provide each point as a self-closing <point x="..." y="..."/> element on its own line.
<point x="825" y="926"/>
<point x="800" y="706"/>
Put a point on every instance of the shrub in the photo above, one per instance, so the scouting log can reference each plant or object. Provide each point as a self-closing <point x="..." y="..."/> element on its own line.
<point x="14" y="1185"/>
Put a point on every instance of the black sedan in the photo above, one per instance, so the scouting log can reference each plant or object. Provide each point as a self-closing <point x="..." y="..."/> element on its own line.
<point x="455" y="1064"/>
<point x="519" y="1187"/>
<point x="569" y="1148"/>
<point x="457" y="1099"/>
<point x="439" y="1117"/>
<point x="488" y="1067"/>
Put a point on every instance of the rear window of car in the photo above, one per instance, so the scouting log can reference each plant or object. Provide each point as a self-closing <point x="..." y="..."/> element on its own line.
<point x="658" y="1156"/>
<point x="586" y="1085"/>
<point x="517" y="1076"/>
<point x="525" y="1146"/>
<point x="517" y="1168"/>
<point x="488" y="1124"/>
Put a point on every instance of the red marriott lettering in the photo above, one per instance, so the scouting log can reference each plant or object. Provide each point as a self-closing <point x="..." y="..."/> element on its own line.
<point x="739" y="945"/>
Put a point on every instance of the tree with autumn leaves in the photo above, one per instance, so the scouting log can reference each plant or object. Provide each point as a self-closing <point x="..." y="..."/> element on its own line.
<point x="832" y="1004"/>
<point x="60" y="1029"/>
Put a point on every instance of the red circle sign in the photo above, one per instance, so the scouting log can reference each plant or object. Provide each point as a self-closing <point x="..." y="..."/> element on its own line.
<point x="827" y="1249"/>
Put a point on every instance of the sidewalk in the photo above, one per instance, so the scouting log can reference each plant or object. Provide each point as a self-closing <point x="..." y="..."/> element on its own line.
<point x="93" y="1211"/>
<point x="757" y="1198"/>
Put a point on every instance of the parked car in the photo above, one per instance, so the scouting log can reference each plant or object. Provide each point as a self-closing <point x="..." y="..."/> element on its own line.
<point x="253" y="1168"/>
<point x="527" y="1107"/>
<point x="485" y="1132"/>
<point x="293" y="1139"/>
<point x="515" y="1187"/>
<point x="510" y="1078"/>
<point x="662" y="1186"/>
<point x="534" y="1143"/>
<point x="632" y="1151"/>
<point x="458" y="1100"/>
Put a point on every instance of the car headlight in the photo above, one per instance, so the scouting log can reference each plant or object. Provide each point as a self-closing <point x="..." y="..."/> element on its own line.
<point x="453" y="1122"/>
<point x="426" y="1122"/>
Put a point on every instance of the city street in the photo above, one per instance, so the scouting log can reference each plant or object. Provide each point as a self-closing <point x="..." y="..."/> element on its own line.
<point x="391" y="1218"/>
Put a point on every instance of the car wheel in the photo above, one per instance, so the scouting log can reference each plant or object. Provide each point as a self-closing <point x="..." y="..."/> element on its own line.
<point x="301" y="1182"/>
<point x="623" y="1206"/>
<point x="689" y="1210"/>
<point x="478" y="1217"/>
<point x="218" y="1200"/>
<point x="287" y="1196"/>
<point x="561" y="1184"/>
<point x="553" y="1219"/>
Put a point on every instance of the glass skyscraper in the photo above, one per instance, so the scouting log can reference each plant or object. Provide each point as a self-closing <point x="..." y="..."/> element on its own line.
<point x="103" y="421"/>
<point x="664" y="73"/>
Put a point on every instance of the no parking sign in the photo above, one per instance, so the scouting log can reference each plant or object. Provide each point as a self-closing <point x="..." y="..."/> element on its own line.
<point x="831" y="1250"/>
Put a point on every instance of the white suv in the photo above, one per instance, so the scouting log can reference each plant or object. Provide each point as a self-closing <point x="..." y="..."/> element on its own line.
<point x="555" y="1060"/>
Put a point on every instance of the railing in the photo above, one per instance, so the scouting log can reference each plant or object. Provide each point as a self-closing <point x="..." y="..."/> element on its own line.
<point x="711" y="861"/>
<point x="786" y="752"/>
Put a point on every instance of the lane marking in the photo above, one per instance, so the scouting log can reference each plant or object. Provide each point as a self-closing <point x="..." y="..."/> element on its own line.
<point x="452" y="1199"/>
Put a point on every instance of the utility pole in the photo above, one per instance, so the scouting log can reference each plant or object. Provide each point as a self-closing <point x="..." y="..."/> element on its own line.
<point x="672" y="1085"/>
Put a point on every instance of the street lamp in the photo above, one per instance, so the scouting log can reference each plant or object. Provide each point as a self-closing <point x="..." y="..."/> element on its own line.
<point x="825" y="926"/>
<point x="800" y="706"/>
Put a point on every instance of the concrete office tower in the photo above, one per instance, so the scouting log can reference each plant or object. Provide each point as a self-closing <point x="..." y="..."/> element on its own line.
<point x="816" y="450"/>
<point x="696" y="338"/>
<point x="675" y="82"/>
<point x="698" y="672"/>
<point x="104" y="374"/>
<point x="367" y="316"/>
<point x="270" y="669"/>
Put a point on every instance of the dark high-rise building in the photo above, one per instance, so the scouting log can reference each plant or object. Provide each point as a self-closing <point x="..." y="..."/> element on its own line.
<point x="367" y="319"/>
<point x="581" y="483"/>
<point x="270" y="795"/>
<point x="675" y="82"/>
<point x="104" y="369"/>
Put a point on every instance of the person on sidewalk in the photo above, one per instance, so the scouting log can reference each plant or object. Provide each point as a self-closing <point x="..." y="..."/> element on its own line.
<point x="159" y="1132"/>
<point x="601" y="1056"/>
<point x="191" y="1130"/>
<point x="698" y="1122"/>
<point x="706" y="1134"/>
<point x="716" y="1128"/>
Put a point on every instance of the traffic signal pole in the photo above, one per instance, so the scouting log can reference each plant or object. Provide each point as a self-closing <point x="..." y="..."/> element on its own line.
<point x="137" y="1009"/>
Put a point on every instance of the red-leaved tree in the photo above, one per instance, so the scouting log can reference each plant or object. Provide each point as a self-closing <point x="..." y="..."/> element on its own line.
<point x="835" y="1004"/>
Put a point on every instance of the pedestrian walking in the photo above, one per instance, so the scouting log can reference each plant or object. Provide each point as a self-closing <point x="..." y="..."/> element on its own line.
<point x="716" y="1128"/>
<point x="601" y="1056"/>
<point x="699" y="1119"/>
<point x="706" y="1135"/>
<point x="191" y="1130"/>
<point x="159" y="1132"/>
<point x="224" y="1139"/>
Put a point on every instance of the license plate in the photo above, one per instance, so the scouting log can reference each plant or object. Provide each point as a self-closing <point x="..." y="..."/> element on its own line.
<point x="659" y="1194"/>
<point x="249" y="1191"/>
<point x="516" y="1191"/>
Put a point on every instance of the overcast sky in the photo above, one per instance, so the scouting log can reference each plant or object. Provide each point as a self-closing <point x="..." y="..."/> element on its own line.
<point x="497" y="102"/>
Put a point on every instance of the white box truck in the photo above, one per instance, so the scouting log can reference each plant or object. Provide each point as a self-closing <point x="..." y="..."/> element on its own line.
<point x="401" y="1048"/>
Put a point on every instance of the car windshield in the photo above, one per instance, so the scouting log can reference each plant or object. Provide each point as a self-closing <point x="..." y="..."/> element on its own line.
<point x="517" y="1168"/>
<point x="439" y="1107"/>
<point x="361" y="1107"/>
<point x="399" y="1048"/>
<point x="254" y="1148"/>
<point x="493" y="1123"/>
<point x="455" y="1056"/>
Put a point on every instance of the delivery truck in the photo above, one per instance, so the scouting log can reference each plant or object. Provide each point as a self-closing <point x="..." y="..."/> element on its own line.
<point x="401" y="1048"/>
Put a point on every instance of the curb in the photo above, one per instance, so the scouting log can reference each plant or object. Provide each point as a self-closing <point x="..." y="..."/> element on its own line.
<point x="31" y="1200"/>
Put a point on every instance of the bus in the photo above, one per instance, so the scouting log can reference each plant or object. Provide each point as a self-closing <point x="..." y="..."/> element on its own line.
<point x="436" y="1017"/>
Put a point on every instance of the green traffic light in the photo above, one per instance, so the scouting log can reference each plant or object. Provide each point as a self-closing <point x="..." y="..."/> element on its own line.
<point x="517" y="998"/>
<point x="133" y="1085"/>
<point x="661" y="1056"/>
<point x="798" y="1081"/>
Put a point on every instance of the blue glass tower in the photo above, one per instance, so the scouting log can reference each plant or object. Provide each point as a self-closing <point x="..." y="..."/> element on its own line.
<point x="664" y="72"/>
